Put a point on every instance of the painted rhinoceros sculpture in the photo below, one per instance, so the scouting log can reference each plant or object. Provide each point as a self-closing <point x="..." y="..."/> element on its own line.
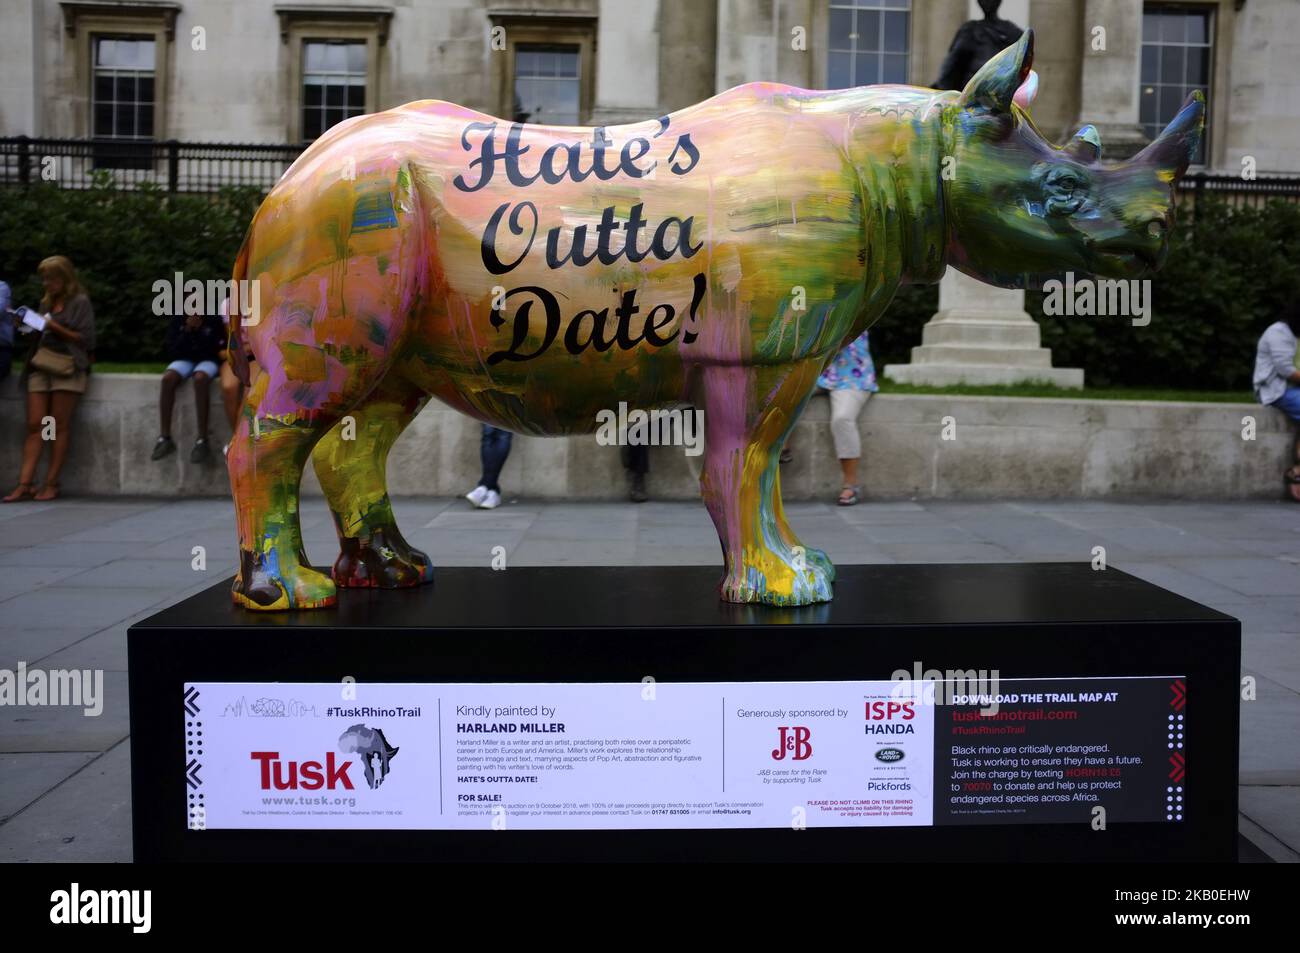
<point x="534" y="276"/>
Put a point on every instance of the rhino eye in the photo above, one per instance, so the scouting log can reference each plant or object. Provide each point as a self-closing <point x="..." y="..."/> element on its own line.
<point x="1064" y="180"/>
<point x="1065" y="191"/>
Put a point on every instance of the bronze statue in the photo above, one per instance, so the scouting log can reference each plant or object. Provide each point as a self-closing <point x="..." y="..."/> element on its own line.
<point x="976" y="42"/>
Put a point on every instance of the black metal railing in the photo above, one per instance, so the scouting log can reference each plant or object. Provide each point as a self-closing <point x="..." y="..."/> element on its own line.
<point x="207" y="166"/>
<point x="1237" y="191"/>
<point x="170" y="165"/>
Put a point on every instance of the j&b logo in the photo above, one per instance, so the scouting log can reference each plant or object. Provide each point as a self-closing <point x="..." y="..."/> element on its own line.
<point x="795" y="741"/>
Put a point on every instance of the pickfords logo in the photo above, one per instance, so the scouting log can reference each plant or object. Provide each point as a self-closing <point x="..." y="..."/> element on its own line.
<point x="890" y="717"/>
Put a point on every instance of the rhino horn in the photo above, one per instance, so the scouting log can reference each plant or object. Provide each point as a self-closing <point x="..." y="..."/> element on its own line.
<point x="1085" y="147"/>
<point x="1174" y="148"/>
<point x="994" y="86"/>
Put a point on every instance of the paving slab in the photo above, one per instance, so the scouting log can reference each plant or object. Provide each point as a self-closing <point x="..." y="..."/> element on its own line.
<point x="1249" y="575"/>
<point x="27" y="728"/>
<point x="29" y="775"/>
<point x="1273" y="807"/>
<point x="28" y="644"/>
<point x="20" y="580"/>
<point x="1269" y="751"/>
<point x="51" y="607"/>
<point x="86" y="818"/>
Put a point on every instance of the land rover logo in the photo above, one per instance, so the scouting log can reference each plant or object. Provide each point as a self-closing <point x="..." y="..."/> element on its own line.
<point x="889" y="754"/>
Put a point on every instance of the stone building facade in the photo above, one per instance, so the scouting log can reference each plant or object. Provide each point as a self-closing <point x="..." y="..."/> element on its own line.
<point x="265" y="71"/>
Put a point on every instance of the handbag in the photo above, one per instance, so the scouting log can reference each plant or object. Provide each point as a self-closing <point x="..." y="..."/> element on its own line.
<point x="53" y="362"/>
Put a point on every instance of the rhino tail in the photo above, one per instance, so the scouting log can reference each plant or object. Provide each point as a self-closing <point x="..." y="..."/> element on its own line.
<point x="235" y="310"/>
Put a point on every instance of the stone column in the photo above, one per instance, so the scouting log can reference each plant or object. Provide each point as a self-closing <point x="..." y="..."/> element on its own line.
<point x="688" y="53"/>
<point x="982" y="334"/>
<point x="1109" y="93"/>
<point x="754" y="42"/>
<point x="627" y="62"/>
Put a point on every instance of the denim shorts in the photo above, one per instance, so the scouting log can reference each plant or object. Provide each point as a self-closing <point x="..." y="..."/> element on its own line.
<point x="186" y="368"/>
<point x="1289" y="403"/>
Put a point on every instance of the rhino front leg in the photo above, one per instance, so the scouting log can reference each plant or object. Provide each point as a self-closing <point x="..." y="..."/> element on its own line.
<point x="265" y="462"/>
<point x="748" y="412"/>
<point x="351" y="463"/>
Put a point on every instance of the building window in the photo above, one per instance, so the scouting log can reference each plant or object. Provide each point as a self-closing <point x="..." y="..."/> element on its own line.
<point x="333" y="83"/>
<point x="868" y="42"/>
<point x="547" y="74"/>
<point x="122" y="92"/>
<point x="1177" y="56"/>
<point x="122" y="100"/>
<point x="547" y="84"/>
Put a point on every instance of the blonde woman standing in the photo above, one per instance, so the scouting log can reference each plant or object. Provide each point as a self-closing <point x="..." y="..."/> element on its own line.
<point x="55" y="375"/>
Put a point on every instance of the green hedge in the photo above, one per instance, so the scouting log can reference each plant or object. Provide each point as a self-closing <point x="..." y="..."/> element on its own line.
<point x="121" y="243"/>
<point x="1225" y="280"/>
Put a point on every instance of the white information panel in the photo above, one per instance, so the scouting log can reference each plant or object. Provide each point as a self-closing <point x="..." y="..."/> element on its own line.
<point x="557" y="756"/>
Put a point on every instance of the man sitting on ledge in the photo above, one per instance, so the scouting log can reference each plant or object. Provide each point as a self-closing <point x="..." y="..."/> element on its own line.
<point x="1277" y="382"/>
<point x="194" y="342"/>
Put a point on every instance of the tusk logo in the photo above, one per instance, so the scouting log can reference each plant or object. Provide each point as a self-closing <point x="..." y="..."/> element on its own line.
<point x="373" y="749"/>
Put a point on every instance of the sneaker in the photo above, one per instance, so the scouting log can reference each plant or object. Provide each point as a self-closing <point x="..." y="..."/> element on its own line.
<point x="201" y="453"/>
<point x="225" y="451"/>
<point x="162" y="447"/>
<point x="491" y="500"/>
<point x="477" y="495"/>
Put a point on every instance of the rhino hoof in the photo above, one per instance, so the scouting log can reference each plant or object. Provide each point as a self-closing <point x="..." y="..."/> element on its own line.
<point x="302" y="587"/>
<point x="811" y="584"/>
<point x="380" y="564"/>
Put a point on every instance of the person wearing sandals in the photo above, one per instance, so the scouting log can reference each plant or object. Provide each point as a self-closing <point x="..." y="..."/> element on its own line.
<point x="55" y="375"/>
<point x="850" y="378"/>
<point x="1277" y="382"/>
<point x="195" y="342"/>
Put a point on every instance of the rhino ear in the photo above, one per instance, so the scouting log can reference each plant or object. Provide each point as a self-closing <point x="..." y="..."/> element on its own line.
<point x="1085" y="147"/>
<point x="994" y="86"/>
<point x="1028" y="91"/>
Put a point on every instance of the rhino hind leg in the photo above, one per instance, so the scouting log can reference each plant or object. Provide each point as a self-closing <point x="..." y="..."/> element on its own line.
<point x="351" y="463"/>
<point x="812" y="555"/>
<point x="748" y="412"/>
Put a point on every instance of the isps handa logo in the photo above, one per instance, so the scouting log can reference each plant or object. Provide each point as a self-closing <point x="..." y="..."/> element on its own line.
<point x="795" y="741"/>
<point x="890" y="717"/>
<point x="331" y="773"/>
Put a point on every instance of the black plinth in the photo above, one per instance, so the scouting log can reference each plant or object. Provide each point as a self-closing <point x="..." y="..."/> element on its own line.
<point x="620" y="624"/>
